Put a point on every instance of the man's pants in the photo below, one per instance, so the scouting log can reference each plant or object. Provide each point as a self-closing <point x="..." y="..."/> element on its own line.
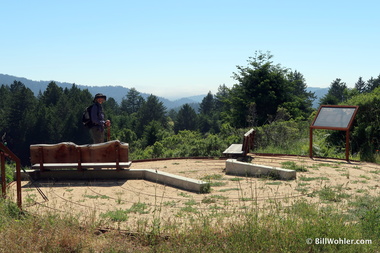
<point x="97" y="135"/>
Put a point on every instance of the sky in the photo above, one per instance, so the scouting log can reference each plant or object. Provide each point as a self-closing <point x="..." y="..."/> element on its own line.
<point x="183" y="48"/>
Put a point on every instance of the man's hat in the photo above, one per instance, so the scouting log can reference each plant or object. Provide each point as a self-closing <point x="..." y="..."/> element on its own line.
<point x="100" y="95"/>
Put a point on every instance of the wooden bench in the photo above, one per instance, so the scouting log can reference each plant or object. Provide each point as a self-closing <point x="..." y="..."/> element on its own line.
<point x="68" y="155"/>
<point x="241" y="150"/>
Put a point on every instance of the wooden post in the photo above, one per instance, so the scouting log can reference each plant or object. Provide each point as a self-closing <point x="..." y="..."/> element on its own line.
<point x="311" y="143"/>
<point x="79" y="150"/>
<point x="18" y="184"/>
<point x="6" y="151"/>
<point x="117" y="151"/>
<point x="41" y="156"/>
<point x="347" y="145"/>
<point x="3" y="177"/>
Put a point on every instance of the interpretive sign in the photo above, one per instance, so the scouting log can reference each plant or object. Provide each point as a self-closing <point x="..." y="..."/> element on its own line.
<point x="337" y="117"/>
<point x="334" y="117"/>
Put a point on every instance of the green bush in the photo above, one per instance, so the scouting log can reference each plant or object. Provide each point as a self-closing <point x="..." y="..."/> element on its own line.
<point x="9" y="211"/>
<point x="184" y="144"/>
<point x="9" y="172"/>
<point x="286" y="137"/>
<point x="365" y="135"/>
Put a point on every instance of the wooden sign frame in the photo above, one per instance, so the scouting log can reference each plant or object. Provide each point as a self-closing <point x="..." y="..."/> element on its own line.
<point x="334" y="117"/>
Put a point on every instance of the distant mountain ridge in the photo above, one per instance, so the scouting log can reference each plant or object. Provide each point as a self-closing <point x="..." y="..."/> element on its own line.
<point x="319" y="93"/>
<point x="118" y="92"/>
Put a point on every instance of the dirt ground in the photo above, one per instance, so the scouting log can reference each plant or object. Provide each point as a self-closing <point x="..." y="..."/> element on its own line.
<point x="325" y="181"/>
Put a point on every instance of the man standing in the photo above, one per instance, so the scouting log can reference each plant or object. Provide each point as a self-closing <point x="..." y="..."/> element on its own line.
<point x="98" y="123"/>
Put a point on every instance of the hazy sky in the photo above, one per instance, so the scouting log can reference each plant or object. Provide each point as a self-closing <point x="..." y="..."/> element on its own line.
<point x="183" y="48"/>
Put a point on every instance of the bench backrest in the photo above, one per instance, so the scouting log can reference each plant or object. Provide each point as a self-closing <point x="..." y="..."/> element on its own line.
<point x="68" y="152"/>
<point x="248" y="140"/>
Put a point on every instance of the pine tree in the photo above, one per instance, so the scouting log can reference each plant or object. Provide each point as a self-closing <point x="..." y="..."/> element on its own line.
<point x="186" y="119"/>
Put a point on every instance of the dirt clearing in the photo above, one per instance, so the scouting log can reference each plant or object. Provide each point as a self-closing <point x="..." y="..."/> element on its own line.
<point x="325" y="181"/>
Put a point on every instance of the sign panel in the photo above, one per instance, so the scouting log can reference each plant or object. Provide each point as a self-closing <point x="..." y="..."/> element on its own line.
<point x="339" y="117"/>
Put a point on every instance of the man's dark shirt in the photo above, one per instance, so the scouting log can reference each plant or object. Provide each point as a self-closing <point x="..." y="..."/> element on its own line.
<point x="97" y="116"/>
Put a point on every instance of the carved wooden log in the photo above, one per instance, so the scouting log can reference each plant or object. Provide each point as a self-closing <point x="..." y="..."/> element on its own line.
<point x="69" y="153"/>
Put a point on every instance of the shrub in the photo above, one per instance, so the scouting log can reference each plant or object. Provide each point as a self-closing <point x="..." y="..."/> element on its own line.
<point x="365" y="134"/>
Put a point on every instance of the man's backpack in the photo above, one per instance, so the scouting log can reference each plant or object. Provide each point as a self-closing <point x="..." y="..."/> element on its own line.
<point x="86" y="117"/>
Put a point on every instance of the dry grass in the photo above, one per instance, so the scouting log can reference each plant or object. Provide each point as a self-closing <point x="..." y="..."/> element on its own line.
<point x="328" y="200"/>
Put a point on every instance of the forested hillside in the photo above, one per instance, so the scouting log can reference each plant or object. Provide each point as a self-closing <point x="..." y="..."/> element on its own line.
<point x="272" y="99"/>
<point x="116" y="92"/>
